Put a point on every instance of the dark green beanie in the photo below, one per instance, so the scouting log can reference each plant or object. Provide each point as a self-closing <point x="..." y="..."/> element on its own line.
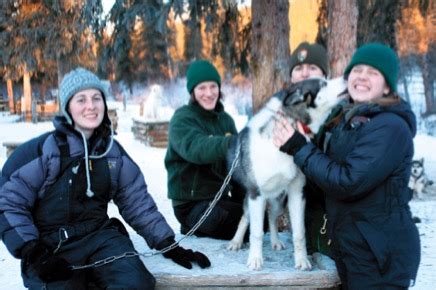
<point x="310" y="54"/>
<point x="201" y="71"/>
<point x="379" y="56"/>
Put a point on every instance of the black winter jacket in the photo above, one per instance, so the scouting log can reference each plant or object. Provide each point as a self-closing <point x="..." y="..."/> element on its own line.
<point x="364" y="175"/>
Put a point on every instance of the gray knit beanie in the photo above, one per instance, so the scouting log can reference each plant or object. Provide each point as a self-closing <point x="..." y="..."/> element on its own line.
<point x="75" y="81"/>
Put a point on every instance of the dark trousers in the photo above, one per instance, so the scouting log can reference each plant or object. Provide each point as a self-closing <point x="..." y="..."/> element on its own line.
<point x="125" y="273"/>
<point x="365" y="277"/>
<point x="220" y="224"/>
<point x="368" y="262"/>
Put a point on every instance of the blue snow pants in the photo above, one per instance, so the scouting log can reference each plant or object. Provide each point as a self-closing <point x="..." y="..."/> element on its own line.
<point x="125" y="273"/>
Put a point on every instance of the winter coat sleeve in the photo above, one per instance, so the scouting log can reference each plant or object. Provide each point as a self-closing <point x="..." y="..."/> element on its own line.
<point x="137" y="206"/>
<point x="193" y="143"/>
<point x="17" y="198"/>
<point x="380" y="148"/>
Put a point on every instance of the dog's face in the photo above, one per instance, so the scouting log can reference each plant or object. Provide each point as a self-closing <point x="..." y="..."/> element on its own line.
<point x="156" y="91"/>
<point x="330" y="94"/>
<point x="417" y="167"/>
<point x="300" y="96"/>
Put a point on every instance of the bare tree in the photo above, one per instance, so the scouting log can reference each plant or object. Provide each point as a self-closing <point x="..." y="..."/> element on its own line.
<point x="377" y="21"/>
<point x="428" y="61"/>
<point x="270" y="49"/>
<point x="341" y="36"/>
<point x="410" y="34"/>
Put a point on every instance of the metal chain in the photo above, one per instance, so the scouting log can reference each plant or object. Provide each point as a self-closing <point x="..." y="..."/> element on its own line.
<point x="206" y="213"/>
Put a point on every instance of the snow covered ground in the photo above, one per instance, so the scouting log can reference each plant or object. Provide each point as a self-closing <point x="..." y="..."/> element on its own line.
<point x="151" y="162"/>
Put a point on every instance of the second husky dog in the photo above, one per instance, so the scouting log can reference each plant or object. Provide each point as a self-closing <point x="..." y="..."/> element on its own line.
<point x="419" y="181"/>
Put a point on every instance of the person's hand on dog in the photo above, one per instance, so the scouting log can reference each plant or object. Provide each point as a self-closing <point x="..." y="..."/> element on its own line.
<point x="286" y="138"/>
<point x="48" y="266"/>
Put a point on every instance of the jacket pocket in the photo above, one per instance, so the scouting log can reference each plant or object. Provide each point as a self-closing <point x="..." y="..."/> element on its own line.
<point x="378" y="243"/>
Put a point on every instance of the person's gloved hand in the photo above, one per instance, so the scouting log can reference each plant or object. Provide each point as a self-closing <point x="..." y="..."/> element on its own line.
<point x="184" y="257"/>
<point x="294" y="144"/>
<point x="48" y="267"/>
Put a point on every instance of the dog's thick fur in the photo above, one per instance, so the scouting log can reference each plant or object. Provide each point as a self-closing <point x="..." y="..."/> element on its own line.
<point x="153" y="103"/>
<point x="270" y="175"/>
<point x="419" y="181"/>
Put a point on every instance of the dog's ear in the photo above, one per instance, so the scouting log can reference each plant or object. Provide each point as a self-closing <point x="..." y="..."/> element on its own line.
<point x="310" y="101"/>
<point x="309" y="89"/>
<point x="293" y="97"/>
<point x="421" y="161"/>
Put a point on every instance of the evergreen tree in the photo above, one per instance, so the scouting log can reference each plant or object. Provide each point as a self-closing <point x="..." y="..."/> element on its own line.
<point x="377" y="21"/>
<point x="137" y="49"/>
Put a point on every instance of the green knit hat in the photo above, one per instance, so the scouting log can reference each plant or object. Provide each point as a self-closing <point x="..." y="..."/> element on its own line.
<point x="77" y="80"/>
<point x="201" y="71"/>
<point x="379" y="56"/>
<point x="310" y="54"/>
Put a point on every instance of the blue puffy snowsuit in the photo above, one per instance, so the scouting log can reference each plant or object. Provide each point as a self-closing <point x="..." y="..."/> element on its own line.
<point x="364" y="175"/>
<point x="43" y="197"/>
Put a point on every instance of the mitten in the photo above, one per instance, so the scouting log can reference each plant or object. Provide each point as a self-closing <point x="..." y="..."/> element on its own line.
<point x="48" y="267"/>
<point x="184" y="257"/>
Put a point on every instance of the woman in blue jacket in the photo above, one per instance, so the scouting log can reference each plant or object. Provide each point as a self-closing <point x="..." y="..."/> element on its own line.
<point x="55" y="193"/>
<point x="364" y="170"/>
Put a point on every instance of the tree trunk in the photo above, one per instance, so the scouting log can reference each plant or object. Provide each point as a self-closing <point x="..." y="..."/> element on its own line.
<point x="341" y="41"/>
<point x="65" y="63"/>
<point x="428" y="82"/>
<point x="193" y="40"/>
<point x="11" y="96"/>
<point x="26" y="103"/>
<point x="42" y="91"/>
<point x="429" y="59"/>
<point x="270" y="50"/>
<point x="377" y="21"/>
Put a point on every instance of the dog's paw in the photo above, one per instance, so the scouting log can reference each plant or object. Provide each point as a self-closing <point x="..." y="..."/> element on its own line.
<point x="277" y="245"/>
<point x="255" y="263"/>
<point x="234" y="245"/>
<point x="303" y="264"/>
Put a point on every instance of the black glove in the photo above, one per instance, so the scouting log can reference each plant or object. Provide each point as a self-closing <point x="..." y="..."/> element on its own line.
<point x="184" y="257"/>
<point x="48" y="267"/>
<point x="293" y="144"/>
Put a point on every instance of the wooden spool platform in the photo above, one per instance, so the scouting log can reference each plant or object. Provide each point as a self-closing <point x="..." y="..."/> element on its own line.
<point x="228" y="270"/>
<point x="150" y="132"/>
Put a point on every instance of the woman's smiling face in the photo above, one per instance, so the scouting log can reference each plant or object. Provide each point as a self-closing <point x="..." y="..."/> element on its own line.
<point x="366" y="83"/>
<point x="87" y="110"/>
<point x="207" y="94"/>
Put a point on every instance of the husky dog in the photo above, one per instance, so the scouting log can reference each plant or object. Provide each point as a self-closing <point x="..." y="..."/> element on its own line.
<point x="269" y="175"/>
<point x="418" y="181"/>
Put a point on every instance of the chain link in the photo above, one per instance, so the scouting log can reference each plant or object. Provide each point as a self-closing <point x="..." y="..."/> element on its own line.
<point x="206" y="213"/>
<point x="323" y="229"/>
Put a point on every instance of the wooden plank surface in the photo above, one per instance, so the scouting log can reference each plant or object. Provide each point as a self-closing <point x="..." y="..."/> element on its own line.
<point x="228" y="270"/>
